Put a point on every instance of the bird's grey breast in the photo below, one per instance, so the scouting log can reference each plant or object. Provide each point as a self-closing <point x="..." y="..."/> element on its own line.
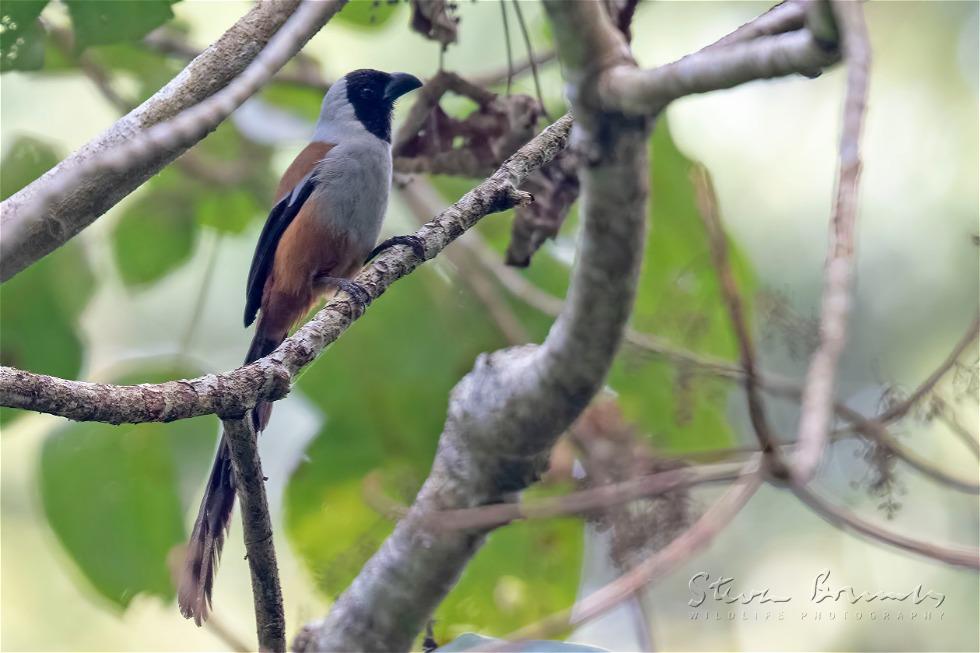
<point x="353" y="182"/>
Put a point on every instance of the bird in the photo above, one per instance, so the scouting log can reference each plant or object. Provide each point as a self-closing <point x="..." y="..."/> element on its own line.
<point x="330" y="204"/>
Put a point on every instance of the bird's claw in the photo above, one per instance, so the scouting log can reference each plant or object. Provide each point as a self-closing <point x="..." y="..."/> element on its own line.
<point x="357" y="292"/>
<point x="414" y="242"/>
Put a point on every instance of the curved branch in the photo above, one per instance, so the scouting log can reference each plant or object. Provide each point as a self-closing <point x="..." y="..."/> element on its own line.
<point x="232" y="394"/>
<point x="846" y="520"/>
<point x="45" y="214"/>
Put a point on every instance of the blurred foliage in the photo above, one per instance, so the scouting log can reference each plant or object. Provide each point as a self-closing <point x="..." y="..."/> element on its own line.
<point x="115" y="496"/>
<point x="300" y="101"/>
<point x="368" y="14"/>
<point x="39" y="308"/>
<point x="98" y="22"/>
<point x="162" y="216"/>
<point x="384" y="391"/>
<point x="21" y="37"/>
<point x="157" y="232"/>
<point x="679" y="299"/>
<point x="95" y="22"/>
<point x="146" y="70"/>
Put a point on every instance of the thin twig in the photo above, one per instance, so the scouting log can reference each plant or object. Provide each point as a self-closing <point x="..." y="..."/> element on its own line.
<point x="493" y="77"/>
<point x="818" y="390"/>
<point x="221" y="630"/>
<point x="877" y="431"/>
<point x="530" y="56"/>
<point x="946" y="417"/>
<point x="585" y="501"/>
<point x="718" y="244"/>
<point x="681" y="549"/>
<point x="202" y="295"/>
<point x="846" y="520"/>
<point x="901" y="408"/>
<point x="510" y="53"/>
<point x="270" y="620"/>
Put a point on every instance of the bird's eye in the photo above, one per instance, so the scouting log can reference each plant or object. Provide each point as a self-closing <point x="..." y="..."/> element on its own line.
<point x="367" y="94"/>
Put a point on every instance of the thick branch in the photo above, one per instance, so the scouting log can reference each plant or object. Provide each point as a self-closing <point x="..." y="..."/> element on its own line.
<point x="270" y="621"/>
<point x="232" y="394"/>
<point x="506" y="413"/>
<point x="66" y="199"/>
<point x="649" y="91"/>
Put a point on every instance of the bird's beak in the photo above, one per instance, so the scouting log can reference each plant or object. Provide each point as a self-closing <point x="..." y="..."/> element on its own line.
<point x="400" y="84"/>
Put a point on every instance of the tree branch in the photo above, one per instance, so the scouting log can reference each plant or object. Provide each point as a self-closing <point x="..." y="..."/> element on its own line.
<point x="818" y="392"/>
<point x="506" y="413"/>
<point x="786" y="16"/>
<point x="649" y="91"/>
<point x="49" y="211"/>
<point x="901" y="408"/>
<point x="232" y="394"/>
<point x="846" y="520"/>
<point x="270" y="621"/>
<point x="583" y="502"/>
<point x="681" y="549"/>
<point x="718" y="245"/>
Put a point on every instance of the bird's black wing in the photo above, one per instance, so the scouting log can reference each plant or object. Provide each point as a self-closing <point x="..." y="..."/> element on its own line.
<point x="280" y="217"/>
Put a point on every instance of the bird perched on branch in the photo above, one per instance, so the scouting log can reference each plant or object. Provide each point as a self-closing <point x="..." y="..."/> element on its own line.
<point x="329" y="207"/>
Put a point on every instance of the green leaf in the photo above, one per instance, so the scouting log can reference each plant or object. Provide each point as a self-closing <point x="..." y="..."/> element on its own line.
<point x="384" y="389"/>
<point x="21" y="35"/>
<point x="157" y="232"/>
<point x="679" y="299"/>
<point x="39" y="308"/>
<point x="301" y="101"/>
<point x="27" y="159"/>
<point x="229" y="211"/>
<point x="149" y="71"/>
<point x="98" y="22"/>
<point x="368" y="14"/>
<point x="525" y="572"/>
<point x="115" y="496"/>
<point x="384" y="392"/>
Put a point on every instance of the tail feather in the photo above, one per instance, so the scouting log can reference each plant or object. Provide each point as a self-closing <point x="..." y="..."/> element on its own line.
<point x="214" y="515"/>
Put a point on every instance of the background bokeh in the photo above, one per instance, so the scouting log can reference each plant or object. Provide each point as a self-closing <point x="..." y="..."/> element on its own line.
<point x="154" y="290"/>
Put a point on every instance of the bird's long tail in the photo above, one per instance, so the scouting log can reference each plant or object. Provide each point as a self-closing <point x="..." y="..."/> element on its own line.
<point x="214" y="515"/>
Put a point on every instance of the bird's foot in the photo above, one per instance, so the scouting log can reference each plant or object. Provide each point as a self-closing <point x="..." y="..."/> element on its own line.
<point x="357" y="292"/>
<point x="414" y="242"/>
